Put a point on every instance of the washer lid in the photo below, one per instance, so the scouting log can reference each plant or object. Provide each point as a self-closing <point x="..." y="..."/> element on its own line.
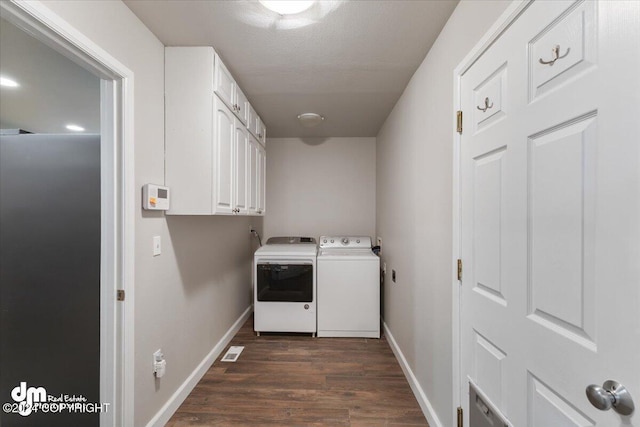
<point x="341" y="253"/>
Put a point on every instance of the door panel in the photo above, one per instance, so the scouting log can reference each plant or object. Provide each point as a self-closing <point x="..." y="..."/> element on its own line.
<point x="488" y="205"/>
<point x="548" y="408"/>
<point x="573" y="35"/>
<point x="561" y="209"/>
<point x="50" y="271"/>
<point x="550" y="213"/>
<point x="488" y="98"/>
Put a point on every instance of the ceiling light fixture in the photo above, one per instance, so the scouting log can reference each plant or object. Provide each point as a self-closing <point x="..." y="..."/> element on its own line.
<point x="6" y="82"/>
<point x="287" y="7"/>
<point x="310" y="120"/>
<point x="75" y="128"/>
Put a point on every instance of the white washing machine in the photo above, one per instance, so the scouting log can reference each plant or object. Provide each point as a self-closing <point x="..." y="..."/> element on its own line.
<point x="284" y="277"/>
<point x="348" y="287"/>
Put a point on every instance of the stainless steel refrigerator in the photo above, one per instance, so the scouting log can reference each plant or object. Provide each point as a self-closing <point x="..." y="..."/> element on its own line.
<point x="50" y="273"/>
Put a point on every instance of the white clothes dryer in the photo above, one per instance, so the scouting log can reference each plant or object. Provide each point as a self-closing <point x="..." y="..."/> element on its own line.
<point x="348" y="287"/>
<point x="284" y="278"/>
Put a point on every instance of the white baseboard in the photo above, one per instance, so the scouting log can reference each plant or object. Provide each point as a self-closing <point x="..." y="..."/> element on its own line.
<point x="172" y="405"/>
<point x="425" y="405"/>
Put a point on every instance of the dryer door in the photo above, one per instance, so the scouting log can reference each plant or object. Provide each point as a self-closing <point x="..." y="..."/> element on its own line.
<point x="285" y="282"/>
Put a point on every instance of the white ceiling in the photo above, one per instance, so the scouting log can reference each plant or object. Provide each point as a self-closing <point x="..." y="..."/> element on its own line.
<point x="346" y="60"/>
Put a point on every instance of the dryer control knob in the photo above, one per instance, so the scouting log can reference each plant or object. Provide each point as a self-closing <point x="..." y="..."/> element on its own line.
<point x="345" y="241"/>
<point x="332" y="240"/>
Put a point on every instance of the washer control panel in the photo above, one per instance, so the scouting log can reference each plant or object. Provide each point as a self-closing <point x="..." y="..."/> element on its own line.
<point x="355" y="242"/>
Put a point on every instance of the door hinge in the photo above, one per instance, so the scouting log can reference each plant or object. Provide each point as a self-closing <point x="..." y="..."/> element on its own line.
<point x="120" y="294"/>
<point x="460" y="419"/>
<point x="459" y="121"/>
<point x="459" y="269"/>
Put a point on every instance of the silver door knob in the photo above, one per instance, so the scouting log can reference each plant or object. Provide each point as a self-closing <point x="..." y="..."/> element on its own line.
<point x="612" y="394"/>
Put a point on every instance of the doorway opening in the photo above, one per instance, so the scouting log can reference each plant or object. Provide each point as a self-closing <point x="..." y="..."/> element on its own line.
<point x="111" y="123"/>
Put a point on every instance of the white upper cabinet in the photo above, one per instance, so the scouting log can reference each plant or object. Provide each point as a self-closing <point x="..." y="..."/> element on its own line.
<point x="230" y="93"/>
<point x="241" y="184"/>
<point x="255" y="125"/>
<point x="261" y="131"/>
<point x="189" y="130"/>
<point x="256" y="177"/>
<point x="225" y="86"/>
<point x="212" y="166"/>
<point x="223" y="158"/>
<point x="262" y="181"/>
<point x="241" y="106"/>
<point x="252" y="175"/>
<point x="252" y="116"/>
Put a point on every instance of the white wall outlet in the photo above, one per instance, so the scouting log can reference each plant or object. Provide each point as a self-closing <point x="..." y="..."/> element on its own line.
<point x="379" y="241"/>
<point x="157" y="245"/>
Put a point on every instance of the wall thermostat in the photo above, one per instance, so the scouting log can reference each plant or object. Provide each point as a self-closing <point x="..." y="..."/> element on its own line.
<point x="155" y="197"/>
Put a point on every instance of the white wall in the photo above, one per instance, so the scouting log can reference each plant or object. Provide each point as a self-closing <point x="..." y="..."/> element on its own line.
<point x="414" y="206"/>
<point x="320" y="186"/>
<point x="188" y="297"/>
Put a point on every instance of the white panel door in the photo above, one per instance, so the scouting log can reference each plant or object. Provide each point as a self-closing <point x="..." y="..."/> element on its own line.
<point x="223" y="158"/>
<point x="550" y="214"/>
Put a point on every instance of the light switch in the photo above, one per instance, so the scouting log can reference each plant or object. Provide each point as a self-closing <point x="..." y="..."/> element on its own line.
<point x="157" y="246"/>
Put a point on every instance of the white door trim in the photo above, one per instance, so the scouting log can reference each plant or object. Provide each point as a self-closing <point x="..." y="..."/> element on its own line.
<point x="118" y="199"/>
<point x="504" y="21"/>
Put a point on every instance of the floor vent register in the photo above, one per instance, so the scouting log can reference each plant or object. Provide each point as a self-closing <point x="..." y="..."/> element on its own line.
<point x="232" y="354"/>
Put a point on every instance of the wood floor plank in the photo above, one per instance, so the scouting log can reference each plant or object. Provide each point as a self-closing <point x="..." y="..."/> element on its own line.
<point x="293" y="379"/>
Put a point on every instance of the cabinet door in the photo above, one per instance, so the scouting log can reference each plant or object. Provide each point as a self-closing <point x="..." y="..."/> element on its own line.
<point x="262" y="179"/>
<point x="262" y="131"/>
<point x="252" y="204"/>
<point x="224" y="85"/>
<point x="241" y="156"/>
<point x="241" y="106"/>
<point x="223" y="158"/>
<point x="251" y="119"/>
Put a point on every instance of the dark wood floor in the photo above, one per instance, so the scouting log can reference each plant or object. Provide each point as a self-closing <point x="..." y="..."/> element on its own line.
<point x="286" y="379"/>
